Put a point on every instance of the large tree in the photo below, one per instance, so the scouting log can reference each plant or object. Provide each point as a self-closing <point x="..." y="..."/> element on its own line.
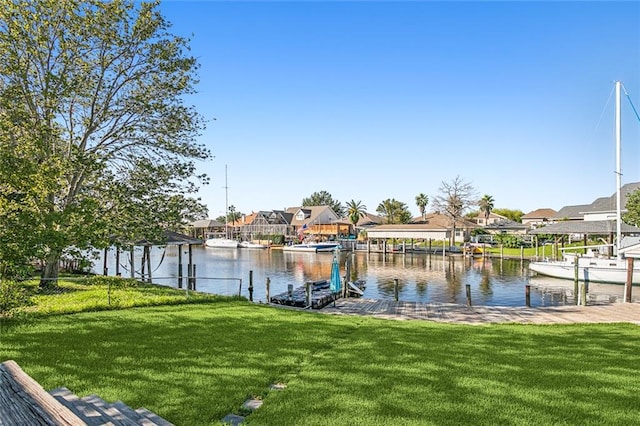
<point x="323" y="198"/>
<point x="454" y="199"/>
<point x="394" y="211"/>
<point x="93" y="91"/>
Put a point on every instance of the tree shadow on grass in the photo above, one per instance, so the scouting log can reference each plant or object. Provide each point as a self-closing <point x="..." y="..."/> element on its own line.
<point x="194" y="364"/>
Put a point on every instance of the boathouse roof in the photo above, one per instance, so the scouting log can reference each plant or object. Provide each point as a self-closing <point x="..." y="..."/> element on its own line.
<point x="589" y="227"/>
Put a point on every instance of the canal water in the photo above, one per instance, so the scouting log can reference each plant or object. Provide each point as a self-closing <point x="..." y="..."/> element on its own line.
<point x="421" y="277"/>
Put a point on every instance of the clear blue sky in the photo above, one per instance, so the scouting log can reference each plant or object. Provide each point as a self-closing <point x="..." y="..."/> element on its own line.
<point x="377" y="100"/>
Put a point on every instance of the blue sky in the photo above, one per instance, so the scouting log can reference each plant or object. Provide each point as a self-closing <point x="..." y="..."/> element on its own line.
<point x="377" y="100"/>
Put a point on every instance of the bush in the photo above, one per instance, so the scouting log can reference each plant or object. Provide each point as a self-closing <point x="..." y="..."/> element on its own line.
<point x="114" y="282"/>
<point x="12" y="296"/>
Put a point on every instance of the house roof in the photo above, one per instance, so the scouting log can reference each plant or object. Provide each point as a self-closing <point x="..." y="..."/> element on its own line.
<point x="602" y="204"/>
<point x="206" y="223"/>
<point x="249" y="218"/>
<point x="443" y="221"/>
<point x="505" y="224"/>
<point x="590" y="227"/>
<point x="544" y="213"/>
<point x="370" y="220"/>
<point x="311" y="213"/>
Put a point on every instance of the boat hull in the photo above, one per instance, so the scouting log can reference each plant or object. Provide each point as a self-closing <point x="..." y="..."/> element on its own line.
<point x="312" y="247"/>
<point x="248" y="245"/>
<point x="600" y="270"/>
<point x="221" y="243"/>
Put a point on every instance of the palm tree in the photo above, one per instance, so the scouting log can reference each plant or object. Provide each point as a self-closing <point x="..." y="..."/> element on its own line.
<point x="486" y="205"/>
<point x="394" y="211"/>
<point x="421" y="201"/>
<point x="355" y="210"/>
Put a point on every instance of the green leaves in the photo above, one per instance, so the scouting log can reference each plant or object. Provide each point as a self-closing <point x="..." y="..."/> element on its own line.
<point x="323" y="198"/>
<point x="394" y="211"/>
<point x="95" y="136"/>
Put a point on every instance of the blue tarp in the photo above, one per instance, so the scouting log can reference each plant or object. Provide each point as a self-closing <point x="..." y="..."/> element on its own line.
<point x="335" y="284"/>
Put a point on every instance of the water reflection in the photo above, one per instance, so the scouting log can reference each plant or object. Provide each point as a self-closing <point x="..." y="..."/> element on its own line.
<point x="420" y="277"/>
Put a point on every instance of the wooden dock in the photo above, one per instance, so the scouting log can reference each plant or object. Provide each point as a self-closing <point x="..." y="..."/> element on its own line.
<point x="453" y="313"/>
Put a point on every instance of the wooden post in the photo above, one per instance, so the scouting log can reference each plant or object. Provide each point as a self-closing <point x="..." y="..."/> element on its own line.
<point x="404" y="247"/>
<point x="583" y="293"/>
<point x="444" y="245"/>
<point x="290" y="291"/>
<point x="142" y="264"/>
<point x="501" y="251"/>
<point x="148" y="248"/>
<point x="250" y="286"/>
<point x="576" y="278"/>
<point x="629" y="283"/>
<point x="193" y="269"/>
<point x="189" y="276"/>
<point x="118" y="262"/>
<point x="429" y="245"/>
<point x="527" y="295"/>
<point x="396" y="290"/>
<point x="307" y="294"/>
<point x="468" y="287"/>
<point x="521" y="252"/>
<point x="268" y="285"/>
<point x="131" y="261"/>
<point x="179" y="266"/>
<point x="105" y="269"/>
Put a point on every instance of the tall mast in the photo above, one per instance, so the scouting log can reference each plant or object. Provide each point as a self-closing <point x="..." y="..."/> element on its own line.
<point x="618" y="173"/>
<point x="226" y="204"/>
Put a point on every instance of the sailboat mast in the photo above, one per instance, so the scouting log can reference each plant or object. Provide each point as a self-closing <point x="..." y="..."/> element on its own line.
<point x="226" y="204"/>
<point x="618" y="173"/>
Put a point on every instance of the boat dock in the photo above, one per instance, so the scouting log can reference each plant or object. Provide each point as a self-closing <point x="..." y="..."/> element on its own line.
<point x="478" y="315"/>
<point x="314" y="295"/>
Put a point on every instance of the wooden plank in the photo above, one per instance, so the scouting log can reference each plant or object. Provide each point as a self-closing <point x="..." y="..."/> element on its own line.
<point x="45" y="409"/>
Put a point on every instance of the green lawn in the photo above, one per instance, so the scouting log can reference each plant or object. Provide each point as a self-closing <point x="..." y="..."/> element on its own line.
<point x="193" y="364"/>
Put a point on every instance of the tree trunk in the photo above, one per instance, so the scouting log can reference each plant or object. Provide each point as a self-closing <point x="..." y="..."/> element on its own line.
<point x="49" y="275"/>
<point x="453" y="235"/>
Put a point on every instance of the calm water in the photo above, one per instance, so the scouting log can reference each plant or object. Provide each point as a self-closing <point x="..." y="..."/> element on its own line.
<point x="421" y="277"/>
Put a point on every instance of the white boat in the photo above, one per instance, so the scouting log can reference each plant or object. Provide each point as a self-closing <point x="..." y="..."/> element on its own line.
<point x="593" y="267"/>
<point x="314" y="247"/>
<point x="221" y="243"/>
<point x="251" y="245"/>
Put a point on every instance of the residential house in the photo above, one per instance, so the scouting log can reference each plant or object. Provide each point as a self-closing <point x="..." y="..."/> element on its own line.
<point x="603" y="208"/>
<point x="493" y="218"/>
<point x="319" y="221"/>
<point x="595" y="219"/>
<point x="539" y="217"/>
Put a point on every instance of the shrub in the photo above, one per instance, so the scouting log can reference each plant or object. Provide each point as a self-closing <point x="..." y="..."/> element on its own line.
<point x="12" y="296"/>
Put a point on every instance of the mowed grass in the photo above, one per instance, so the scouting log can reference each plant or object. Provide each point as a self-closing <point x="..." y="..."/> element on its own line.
<point x="97" y="293"/>
<point x="193" y="364"/>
